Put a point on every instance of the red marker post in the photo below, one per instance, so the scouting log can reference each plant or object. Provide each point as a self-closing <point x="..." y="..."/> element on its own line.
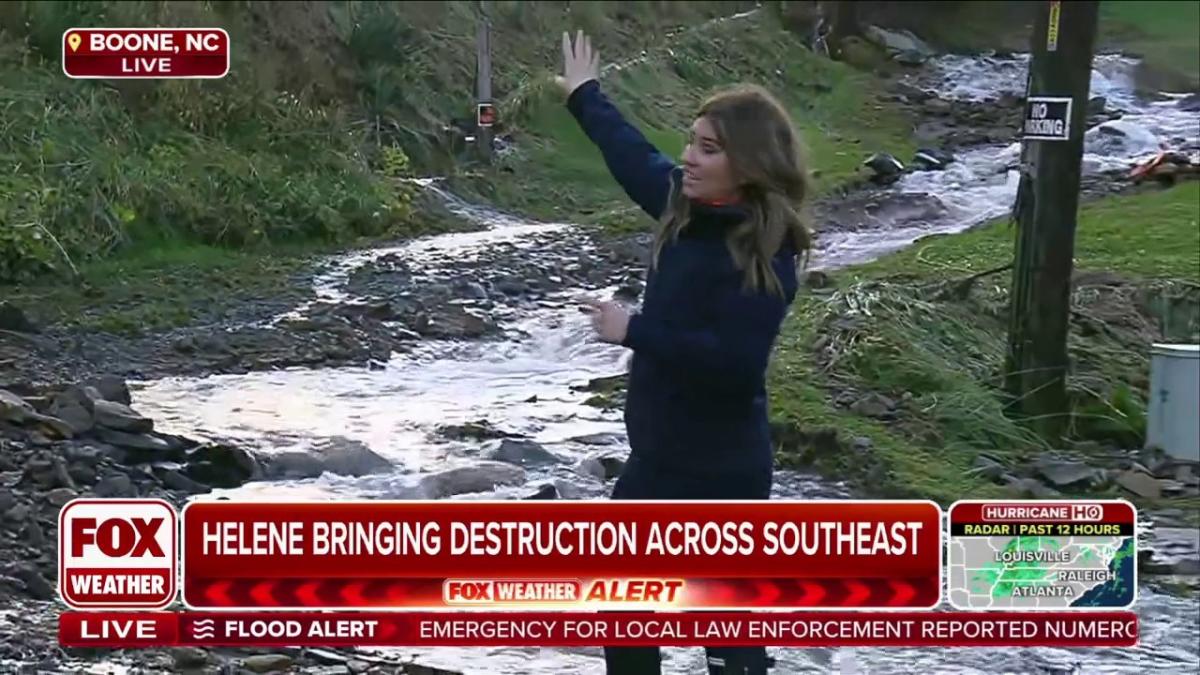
<point x="145" y="53"/>
<point x="485" y="115"/>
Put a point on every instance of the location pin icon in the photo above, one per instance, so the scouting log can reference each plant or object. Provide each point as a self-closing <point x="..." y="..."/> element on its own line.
<point x="73" y="40"/>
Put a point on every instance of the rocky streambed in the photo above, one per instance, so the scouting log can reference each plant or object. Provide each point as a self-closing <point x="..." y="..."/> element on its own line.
<point x="83" y="440"/>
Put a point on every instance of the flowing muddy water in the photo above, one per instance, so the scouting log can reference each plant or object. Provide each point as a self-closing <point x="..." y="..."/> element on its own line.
<point x="982" y="182"/>
<point x="524" y="384"/>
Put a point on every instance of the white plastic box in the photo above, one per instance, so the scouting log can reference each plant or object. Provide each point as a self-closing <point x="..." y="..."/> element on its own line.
<point x="1174" y="414"/>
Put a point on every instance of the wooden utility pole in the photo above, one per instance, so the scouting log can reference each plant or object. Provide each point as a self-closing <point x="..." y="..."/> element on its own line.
<point x="483" y="80"/>
<point x="1047" y="202"/>
<point x="844" y="15"/>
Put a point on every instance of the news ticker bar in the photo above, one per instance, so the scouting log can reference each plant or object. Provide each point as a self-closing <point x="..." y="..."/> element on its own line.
<point x="552" y="629"/>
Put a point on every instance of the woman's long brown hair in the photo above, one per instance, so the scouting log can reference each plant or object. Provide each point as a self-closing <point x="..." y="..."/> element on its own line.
<point x="767" y="159"/>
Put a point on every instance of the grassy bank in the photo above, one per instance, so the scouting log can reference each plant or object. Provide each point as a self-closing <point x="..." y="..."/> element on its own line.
<point x="558" y="173"/>
<point x="894" y="328"/>
<point x="147" y="290"/>
<point x="128" y="216"/>
<point x="1164" y="34"/>
<point x="99" y="171"/>
<point x="155" y="284"/>
<point x="1154" y="235"/>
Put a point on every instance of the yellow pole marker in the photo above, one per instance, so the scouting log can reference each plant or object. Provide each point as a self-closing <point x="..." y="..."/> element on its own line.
<point x="1052" y="29"/>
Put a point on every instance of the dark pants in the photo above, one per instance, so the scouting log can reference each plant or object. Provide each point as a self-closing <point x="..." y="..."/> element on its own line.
<point x="640" y="480"/>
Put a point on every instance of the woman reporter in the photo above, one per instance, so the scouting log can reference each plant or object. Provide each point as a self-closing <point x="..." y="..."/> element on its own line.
<point x="722" y="275"/>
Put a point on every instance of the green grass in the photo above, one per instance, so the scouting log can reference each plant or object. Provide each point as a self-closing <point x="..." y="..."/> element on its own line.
<point x="886" y="328"/>
<point x="562" y="175"/>
<point x="895" y="344"/>
<point x="1165" y="33"/>
<point x="89" y="175"/>
<point x="155" y="288"/>
<point x="1154" y="235"/>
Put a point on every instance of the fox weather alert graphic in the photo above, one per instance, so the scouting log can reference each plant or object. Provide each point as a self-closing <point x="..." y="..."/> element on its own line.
<point x="1042" y="555"/>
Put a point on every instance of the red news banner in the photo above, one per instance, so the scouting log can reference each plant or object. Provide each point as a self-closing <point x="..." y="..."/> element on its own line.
<point x="525" y="558"/>
<point x="574" y="555"/>
<point x="143" y="53"/>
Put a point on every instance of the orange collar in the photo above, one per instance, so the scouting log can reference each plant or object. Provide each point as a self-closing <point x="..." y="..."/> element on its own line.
<point x="718" y="202"/>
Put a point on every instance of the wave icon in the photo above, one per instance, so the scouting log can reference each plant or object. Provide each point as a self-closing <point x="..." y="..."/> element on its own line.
<point x="203" y="629"/>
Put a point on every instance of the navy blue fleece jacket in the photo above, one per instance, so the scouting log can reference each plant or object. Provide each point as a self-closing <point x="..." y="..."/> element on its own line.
<point x="697" y="396"/>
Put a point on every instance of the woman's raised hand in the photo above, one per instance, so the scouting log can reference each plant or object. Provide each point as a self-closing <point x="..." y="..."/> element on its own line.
<point x="580" y="63"/>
